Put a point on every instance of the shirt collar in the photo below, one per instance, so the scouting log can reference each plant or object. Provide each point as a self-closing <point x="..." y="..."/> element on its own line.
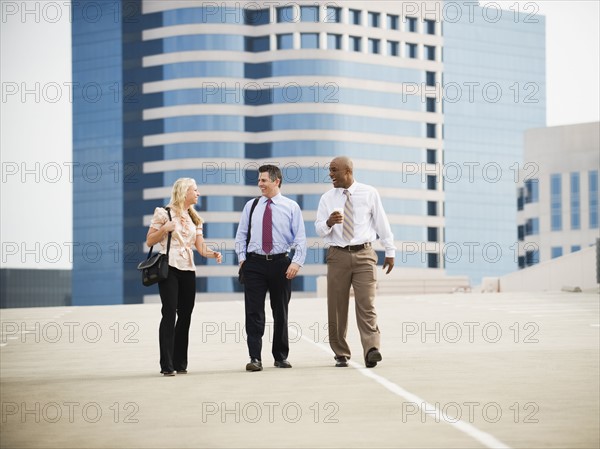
<point x="275" y="199"/>
<point x="350" y="189"/>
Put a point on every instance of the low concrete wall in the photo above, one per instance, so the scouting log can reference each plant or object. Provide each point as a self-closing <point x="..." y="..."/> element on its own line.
<point x="569" y="271"/>
<point x="408" y="281"/>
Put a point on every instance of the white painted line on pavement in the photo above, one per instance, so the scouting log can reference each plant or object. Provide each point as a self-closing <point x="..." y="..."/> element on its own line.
<point x="484" y="438"/>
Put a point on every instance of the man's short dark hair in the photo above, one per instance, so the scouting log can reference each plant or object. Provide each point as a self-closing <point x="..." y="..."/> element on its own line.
<point x="274" y="172"/>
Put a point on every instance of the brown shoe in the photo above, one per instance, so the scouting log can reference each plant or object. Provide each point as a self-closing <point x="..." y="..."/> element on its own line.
<point x="373" y="356"/>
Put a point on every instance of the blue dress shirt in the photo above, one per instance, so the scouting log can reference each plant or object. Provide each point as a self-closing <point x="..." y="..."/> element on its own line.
<point x="288" y="229"/>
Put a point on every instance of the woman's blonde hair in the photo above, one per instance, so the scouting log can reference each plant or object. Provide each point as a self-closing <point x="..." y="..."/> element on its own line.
<point x="178" y="195"/>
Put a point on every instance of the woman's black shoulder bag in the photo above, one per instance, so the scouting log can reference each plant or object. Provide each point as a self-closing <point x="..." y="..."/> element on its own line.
<point x="156" y="268"/>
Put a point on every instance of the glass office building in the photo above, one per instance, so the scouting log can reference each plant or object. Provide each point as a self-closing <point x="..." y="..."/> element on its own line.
<point x="212" y="91"/>
<point x="494" y="90"/>
<point x="557" y="206"/>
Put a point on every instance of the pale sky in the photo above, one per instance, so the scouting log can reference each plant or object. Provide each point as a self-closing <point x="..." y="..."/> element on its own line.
<point x="36" y="126"/>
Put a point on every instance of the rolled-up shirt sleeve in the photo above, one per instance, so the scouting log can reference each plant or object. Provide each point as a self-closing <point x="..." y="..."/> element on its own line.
<point x="382" y="226"/>
<point x="322" y="216"/>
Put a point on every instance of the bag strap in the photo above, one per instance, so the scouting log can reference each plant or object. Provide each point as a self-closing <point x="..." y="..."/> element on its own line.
<point x="250" y="222"/>
<point x="168" y="209"/>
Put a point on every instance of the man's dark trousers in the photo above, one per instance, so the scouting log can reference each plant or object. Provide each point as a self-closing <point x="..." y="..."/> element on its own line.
<point x="262" y="276"/>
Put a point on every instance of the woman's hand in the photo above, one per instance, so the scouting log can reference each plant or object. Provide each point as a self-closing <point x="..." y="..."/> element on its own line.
<point x="217" y="255"/>
<point x="169" y="226"/>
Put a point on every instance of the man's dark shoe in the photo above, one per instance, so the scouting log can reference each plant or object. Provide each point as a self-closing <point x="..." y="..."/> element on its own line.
<point x="181" y="371"/>
<point x="341" y="362"/>
<point x="373" y="356"/>
<point x="282" y="364"/>
<point x="168" y="373"/>
<point x="254" y="365"/>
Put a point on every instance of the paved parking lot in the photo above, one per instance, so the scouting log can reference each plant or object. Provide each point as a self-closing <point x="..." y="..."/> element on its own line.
<point x="458" y="371"/>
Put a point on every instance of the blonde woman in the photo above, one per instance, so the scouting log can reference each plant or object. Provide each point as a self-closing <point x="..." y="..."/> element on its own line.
<point x="178" y="291"/>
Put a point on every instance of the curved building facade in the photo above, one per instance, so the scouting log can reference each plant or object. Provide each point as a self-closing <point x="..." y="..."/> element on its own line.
<point x="292" y="85"/>
<point x="213" y="90"/>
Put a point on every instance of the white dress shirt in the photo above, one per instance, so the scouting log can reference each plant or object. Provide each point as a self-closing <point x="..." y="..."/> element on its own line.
<point x="370" y="220"/>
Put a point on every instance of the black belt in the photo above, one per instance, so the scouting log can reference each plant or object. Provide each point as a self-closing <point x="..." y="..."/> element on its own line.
<point x="354" y="247"/>
<point x="267" y="256"/>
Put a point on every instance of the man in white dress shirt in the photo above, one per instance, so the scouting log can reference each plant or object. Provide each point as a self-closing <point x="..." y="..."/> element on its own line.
<point x="350" y="217"/>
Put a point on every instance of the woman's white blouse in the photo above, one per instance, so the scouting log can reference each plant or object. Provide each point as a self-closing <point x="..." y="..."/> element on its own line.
<point x="183" y="238"/>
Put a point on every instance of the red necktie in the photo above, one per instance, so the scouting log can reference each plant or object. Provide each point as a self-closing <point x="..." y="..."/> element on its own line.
<point x="267" y="229"/>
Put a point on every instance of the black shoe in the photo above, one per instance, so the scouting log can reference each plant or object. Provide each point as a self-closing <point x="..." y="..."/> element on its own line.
<point x="373" y="356"/>
<point x="254" y="365"/>
<point x="168" y="373"/>
<point x="181" y="371"/>
<point x="282" y="364"/>
<point x="341" y="361"/>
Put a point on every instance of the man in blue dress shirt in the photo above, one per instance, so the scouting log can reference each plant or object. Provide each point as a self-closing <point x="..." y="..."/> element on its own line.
<point x="276" y="227"/>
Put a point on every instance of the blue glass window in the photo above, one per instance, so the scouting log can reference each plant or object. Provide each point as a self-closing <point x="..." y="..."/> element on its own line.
<point x="520" y="198"/>
<point x="430" y="52"/>
<point x="430" y="26"/>
<point x="355" y="16"/>
<point x="532" y="257"/>
<point x="285" y="14"/>
<point x="392" y="22"/>
<point x="431" y="182"/>
<point x="433" y="260"/>
<point x="374" y="46"/>
<point x="532" y="191"/>
<point x="575" y="248"/>
<point x="432" y="208"/>
<point x="430" y="78"/>
<point x="432" y="234"/>
<point x="309" y="13"/>
<point x="334" y="41"/>
<point x="393" y="48"/>
<point x="374" y="19"/>
<point x="411" y="50"/>
<point x="431" y="156"/>
<point x="209" y="14"/>
<point x="309" y="40"/>
<point x="256" y="16"/>
<point x="355" y="42"/>
<point x="411" y="24"/>
<point x="256" y="44"/>
<point x="430" y="104"/>
<point x="285" y="41"/>
<point x="556" y="251"/>
<point x="593" y="188"/>
<point x="575" y="202"/>
<point x="521" y="233"/>
<point x="532" y="226"/>
<point x="333" y="14"/>
<point x="555" y="203"/>
<point x="431" y="130"/>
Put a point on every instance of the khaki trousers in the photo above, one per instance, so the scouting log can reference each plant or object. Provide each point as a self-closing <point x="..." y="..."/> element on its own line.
<point x="359" y="270"/>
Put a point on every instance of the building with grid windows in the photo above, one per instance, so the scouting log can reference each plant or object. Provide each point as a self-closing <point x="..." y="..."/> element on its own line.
<point x="212" y="91"/>
<point x="558" y="199"/>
